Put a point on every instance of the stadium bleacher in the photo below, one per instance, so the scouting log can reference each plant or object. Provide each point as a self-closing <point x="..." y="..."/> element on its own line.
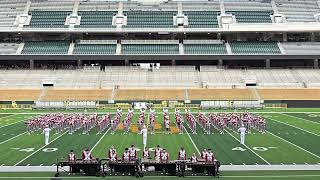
<point x="9" y="9"/>
<point x="95" y="47"/>
<point x="19" y="94"/>
<point x="94" y="19"/>
<point x="149" y="19"/>
<point x="49" y="19"/>
<point x="298" y="10"/>
<point x="204" y="47"/>
<point x="162" y="78"/>
<point x="202" y="19"/>
<point x="46" y="47"/>
<point x="255" y="48"/>
<point x="289" y="94"/>
<point x="109" y="29"/>
<point x="252" y="16"/>
<point x="76" y="94"/>
<point x="150" y="47"/>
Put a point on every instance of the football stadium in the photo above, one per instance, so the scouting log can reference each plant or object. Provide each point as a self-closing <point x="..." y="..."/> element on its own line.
<point x="160" y="89"/>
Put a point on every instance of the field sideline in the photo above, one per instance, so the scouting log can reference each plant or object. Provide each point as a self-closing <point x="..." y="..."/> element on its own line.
<point x="229" y="175"/>
<point x="292" y="138"/>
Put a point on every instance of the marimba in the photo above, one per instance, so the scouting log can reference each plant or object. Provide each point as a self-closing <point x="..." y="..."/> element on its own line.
<point x="89" y="168"/>
<point x="166" y="167"/>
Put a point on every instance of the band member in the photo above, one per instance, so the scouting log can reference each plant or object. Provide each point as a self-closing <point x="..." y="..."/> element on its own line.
<point x="133" y="153"/>
<point x="113" y="156"/>
<point x="152" y="120"/>
<point x="110" y="151"/>
<point x="193" y="160"/>
<point x="146" y="153"/>
<point x="165" y="113"/>
<point x="204" y="153"/>
<point x="209" y="157"/>
<point x="144" y="133"/>
<point x="208" y="126"/>
<point x="164" y="156"/>
<point x="71" y="156"/>
<point x="167" y="124"/>
<point x="157" y="153"/>
<point x="46" y="132"/>
<point x="182" y="155"/>
<point x="130" y="110"/>
<point x="242" y="131"/>
<point x="126" y="155"/>
<point x="86" y="155"/>
<point x="119" y="111"/>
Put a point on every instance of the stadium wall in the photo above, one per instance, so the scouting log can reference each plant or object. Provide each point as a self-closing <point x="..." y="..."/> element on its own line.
<point x="296" y="103"/>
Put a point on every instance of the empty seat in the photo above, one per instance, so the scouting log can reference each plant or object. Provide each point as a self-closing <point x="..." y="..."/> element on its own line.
<point x="202" y="19"/>
<point x="298" y="10"/>
<point x="19" y="94"/>
<point x="77" y="94"/>
<point x="152" y="19"/>
<point x="255" y="48"/>
<point x="252" y="16"/>
<point x="46" y="47"/>
<point x="48" y="19"/>
<point x="95" y="48"/>
<point x="220" y="94"/>
<point x="289" y="94"/>
<point x="205" y="49"/>
<point x="96" y="19"/>
<point x="150" y="49"/>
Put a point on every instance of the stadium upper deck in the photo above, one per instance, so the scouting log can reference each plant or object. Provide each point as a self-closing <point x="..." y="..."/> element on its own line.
<point x="176" y="32"/>
<point x="152" y="16"/>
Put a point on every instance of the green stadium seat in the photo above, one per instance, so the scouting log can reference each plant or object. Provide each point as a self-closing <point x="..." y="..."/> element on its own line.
<point x="255" y="48"/>
<point x="252" y="16"/>
<point x="202" y="19"/>
<point x="49" y="19"/>
<point x="46" y="47"/>
<point x="205" y="49"/>
<point x="96" y="19"/>
<point x="149" y="19"/>
<point x="150" y="49"/>
<point x="95" y="48"/>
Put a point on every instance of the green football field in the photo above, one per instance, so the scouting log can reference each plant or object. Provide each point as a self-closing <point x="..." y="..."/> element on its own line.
<point x="292" y="137"/>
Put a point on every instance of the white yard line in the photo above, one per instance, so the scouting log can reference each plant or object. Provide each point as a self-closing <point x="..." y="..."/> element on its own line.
<point x="11" y="124"/>
<point x="191" y="140"/>
<point x="294" y="126"/>
<point x="40" y="149"/>
<point x="7" y="116"/>
<point x="249" y="148"/>
<point x="12" y="138"/>
<point x="100" y="139"/>
<point x="300" y="118"/>
<point x="14" y="122"/>
<point x="294" y="145"/>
